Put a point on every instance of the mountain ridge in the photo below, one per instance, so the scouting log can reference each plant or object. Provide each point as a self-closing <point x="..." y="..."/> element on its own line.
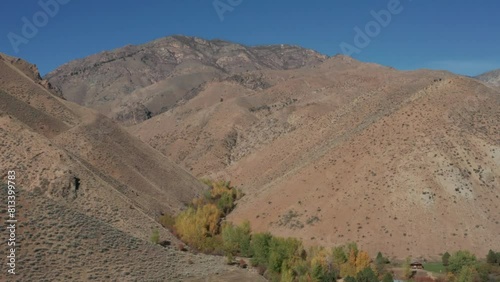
<point x="491" y="77"/>
<point x="121" y="76"/>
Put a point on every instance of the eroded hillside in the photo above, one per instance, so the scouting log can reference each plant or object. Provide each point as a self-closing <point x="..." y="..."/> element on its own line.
<point x="404" y="162"/>
<point x="88" y="193"/>
<point x="133" y="83"/>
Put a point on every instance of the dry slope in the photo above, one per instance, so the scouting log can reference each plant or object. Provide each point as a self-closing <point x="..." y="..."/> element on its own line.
<point x="133" y="83"/>
<point x="403" y="162"/>
<point x="88" y="193"/>
<point x="492" y="77"/>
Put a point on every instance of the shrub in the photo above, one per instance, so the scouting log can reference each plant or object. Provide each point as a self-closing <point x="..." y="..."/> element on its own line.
<point x="167" y="221"/>
<point x="155" y="237"/>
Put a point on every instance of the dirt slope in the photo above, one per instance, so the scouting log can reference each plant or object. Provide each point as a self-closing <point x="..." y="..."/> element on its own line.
<point x="403" y="162"/>
<point x="89" y="193"/>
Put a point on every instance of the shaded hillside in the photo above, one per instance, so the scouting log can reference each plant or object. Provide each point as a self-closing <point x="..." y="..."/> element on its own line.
<point x="59" y="243"/>
<point x="133" y="83"/>
<point x="403" y="162"/>
<point x="492" y="77"/>
<point x="88" y="193"/>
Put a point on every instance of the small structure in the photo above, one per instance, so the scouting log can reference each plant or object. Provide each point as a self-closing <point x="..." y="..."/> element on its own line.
<point x="416" y="265"/>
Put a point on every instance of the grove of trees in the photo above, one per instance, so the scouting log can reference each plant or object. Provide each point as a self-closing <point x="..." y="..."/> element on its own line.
<point x="202" y="227"/>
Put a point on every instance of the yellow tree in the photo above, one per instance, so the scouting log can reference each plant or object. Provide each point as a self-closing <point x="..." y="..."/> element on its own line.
<point x="207" y="218"/>
<point x="362" y="261"/>
<point x="349" y="268"/>
<point x="187" y="227"/>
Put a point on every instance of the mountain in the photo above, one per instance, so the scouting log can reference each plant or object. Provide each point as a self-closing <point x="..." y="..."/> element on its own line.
<point x="492" y="77"/>
<point x="133" y="83"/>
<point x="88" y="193"/>
<point x="330" y="150"/>
<point x="403" y="162"/>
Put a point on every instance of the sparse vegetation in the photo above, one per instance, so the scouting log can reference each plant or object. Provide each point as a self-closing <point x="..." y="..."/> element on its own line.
<point x="200" y="224"/>
<point x="283" y="259"/>
<point x="155" y="237"/>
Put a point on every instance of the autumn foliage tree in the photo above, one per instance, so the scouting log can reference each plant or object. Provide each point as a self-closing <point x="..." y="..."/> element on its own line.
<point x="362" y="261"/>
<point x="195" y="225"/>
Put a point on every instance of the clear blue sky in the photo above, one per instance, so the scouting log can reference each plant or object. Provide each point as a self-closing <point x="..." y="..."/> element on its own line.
<point x="457" y="35"/>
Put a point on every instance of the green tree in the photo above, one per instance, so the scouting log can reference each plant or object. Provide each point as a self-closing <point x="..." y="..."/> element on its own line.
<point x="259" y="247"/>
<point x="225" y="203"/>
<point x="339" y="257"/>
<point x="483" y="271"/>
<point x="286" y="274"/>
<point x="466" y="274"/>
<point x="460" y="260"/>
<point x="350" y="279"/>
<point x="380" y="263"/>
<point x="349" y="267"/>
<point x="388" y="278"/>
<point x="352" y="247"/>
<point x="155" y="237"/>
<point x="366" y="275"/>
<point x="407" y="272"/>
<point x="491" y="258"/>
<point x="281" y="250"/>
<point x="236" y="239"/>
<point x="321" y="265"/>
<point x="445" y="258"/>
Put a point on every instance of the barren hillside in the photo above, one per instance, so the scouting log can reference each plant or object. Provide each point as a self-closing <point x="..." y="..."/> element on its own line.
<point x="133" y="83"/>
<point x="492" y="77"/>
<point x="88" y="193"/>
<point x="402" y="162"/>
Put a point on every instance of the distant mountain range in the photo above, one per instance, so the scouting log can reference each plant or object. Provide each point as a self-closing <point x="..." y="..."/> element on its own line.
<point x="492" y="77"/>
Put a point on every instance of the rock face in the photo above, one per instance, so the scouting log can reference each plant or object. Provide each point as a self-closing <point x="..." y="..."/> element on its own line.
<point x="159" y="74"/>
<point x="492" y="77"/>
